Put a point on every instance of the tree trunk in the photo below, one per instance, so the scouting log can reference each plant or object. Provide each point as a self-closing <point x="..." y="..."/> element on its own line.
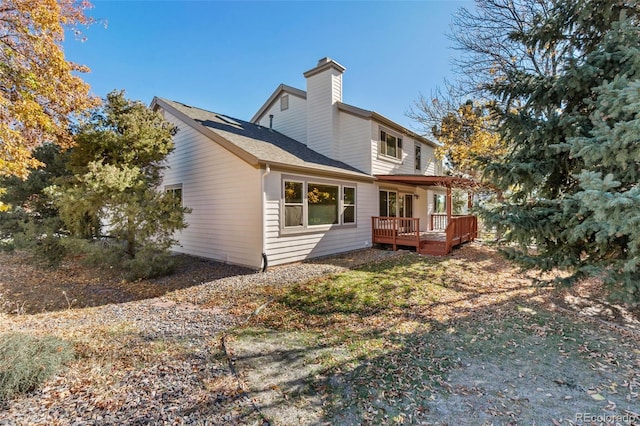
<point x="131" y="236"/>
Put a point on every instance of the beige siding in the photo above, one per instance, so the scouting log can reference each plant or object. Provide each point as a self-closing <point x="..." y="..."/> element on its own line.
<point x="292" y="121"/>
<point x="430" y="165"/>
<point x="421" y="204"/>
<point x="295" y="247"/>
<point x="421" y="209"/>
<point x="224" y="193"/>
<point x="355" y="141"/>
<point x="383" y="165"/>
<point x="322" y="113"/>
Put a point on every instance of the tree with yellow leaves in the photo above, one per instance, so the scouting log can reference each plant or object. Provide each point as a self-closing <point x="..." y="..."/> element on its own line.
<point x="467" y="138"/>
<point x="466" y="133"/>
<point x="39" y="92"/>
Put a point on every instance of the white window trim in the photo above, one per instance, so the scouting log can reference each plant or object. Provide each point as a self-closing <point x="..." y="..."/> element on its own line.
<point x="173" y="187"/>
<point x="284" y="204"/>
<point x="399" y="146"/>
<point x="345" y="205"/>
<point x="306" y="228"/>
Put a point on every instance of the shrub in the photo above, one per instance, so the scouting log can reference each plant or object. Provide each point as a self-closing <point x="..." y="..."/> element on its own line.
<point x="7" y="245"/>
<point x="50" y="250"/>
<point x="27" y="361"/>
<point x="149" y="263"/>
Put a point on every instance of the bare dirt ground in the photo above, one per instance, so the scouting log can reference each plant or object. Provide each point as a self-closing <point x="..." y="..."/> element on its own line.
<point x="26" y="288"/>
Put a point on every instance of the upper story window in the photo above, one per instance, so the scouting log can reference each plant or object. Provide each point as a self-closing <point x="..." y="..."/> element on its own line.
<point x="284" y="102"/>
<point x="418" y="157"/>
<point x="390" y="145"/>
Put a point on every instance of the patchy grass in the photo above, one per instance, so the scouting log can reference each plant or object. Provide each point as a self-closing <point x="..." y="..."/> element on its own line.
<point x="27" y="361"/>
<point x="459" y="340"/>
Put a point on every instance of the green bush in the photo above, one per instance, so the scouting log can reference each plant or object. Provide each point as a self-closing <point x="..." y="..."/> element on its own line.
<point x="50" y="250"/>
<point x="7" y="245"/>
<point x="27" y="361"/>
<point x="149" y="263"/>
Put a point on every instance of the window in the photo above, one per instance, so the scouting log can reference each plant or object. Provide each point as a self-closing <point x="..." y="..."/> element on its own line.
<point x="390" y="145"/>
<point x="349" y="205"/>
<point x="388" y="200"/>
<point x="310" y="204"/>
<point x="176" y="191"/>
<point x="418" y="157"/>
<point x="284" y="102"/>
<point x="323" y="204"/>
<point x="439" y="203"/>
<point x="293" y="203"/>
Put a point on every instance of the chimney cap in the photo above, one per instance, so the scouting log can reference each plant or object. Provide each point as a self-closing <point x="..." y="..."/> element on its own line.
<point x="324" y="64"/>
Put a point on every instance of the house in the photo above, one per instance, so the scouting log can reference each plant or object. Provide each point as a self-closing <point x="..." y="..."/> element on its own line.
<point x="307" y="176"/>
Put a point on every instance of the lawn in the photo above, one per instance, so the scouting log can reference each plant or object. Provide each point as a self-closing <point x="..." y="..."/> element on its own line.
<point x="460" y="340"/>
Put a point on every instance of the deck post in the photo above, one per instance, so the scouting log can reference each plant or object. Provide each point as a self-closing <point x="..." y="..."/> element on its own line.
<point x="395" y="233"/>
<point x="449" y="204"/>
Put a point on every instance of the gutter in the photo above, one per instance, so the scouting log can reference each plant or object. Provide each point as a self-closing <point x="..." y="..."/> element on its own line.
<point x="266" y="173"/>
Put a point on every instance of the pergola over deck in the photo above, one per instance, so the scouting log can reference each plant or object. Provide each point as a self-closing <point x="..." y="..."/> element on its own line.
<point x="445" y="230"/>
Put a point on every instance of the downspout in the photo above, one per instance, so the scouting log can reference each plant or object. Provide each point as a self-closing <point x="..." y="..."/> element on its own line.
<point x="265" y="261"/>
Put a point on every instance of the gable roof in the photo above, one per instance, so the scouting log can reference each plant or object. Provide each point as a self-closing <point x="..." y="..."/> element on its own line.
<point x="283" y="88"/>
<point x="257" y="144"/>
<point x="364" y="113"/>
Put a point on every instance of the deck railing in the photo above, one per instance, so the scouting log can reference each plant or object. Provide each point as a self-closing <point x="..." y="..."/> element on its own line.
<point x="439" y="222"/>
<point x="463" y="228"/>
<point x="406" y="232"/>
<point x="396" y="230"/>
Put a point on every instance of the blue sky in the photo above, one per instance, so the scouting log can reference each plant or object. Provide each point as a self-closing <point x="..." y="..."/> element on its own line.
<point x="229" y="57"/>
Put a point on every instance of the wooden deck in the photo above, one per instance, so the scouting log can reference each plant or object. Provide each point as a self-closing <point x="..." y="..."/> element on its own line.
<point x="399" y="231"/>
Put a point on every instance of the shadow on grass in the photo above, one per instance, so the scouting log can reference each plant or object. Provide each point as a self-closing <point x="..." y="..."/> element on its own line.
<point x="435" y="340"/>
<point x="525" y="367"/>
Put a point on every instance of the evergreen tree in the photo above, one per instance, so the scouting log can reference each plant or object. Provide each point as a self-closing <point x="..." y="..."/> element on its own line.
<point x="573" y="137"/>
<point x="114" y="192"/>
<point x="29" y="212"/>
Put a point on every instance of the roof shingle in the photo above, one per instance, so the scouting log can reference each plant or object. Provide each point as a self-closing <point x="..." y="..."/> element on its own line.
<point x="266" y="145"/>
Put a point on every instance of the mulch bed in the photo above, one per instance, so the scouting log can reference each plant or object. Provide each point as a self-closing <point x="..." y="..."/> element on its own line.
<point x="28" y="288"/>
